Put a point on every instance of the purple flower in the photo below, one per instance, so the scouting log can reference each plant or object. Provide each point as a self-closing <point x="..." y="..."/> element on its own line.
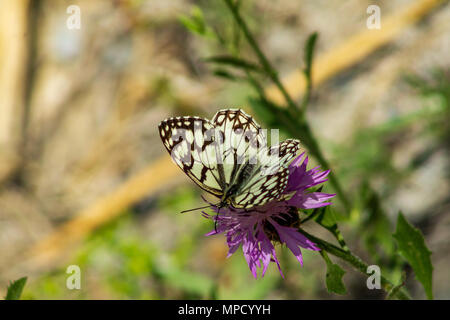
<point x="277" y="221"/>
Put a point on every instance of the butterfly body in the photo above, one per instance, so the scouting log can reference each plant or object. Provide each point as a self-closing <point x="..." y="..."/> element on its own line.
<point x="228" y="157"/>
<point x="232" y="190"/>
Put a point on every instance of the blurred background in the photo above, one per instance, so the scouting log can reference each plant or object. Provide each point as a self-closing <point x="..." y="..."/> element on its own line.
<point x="85" y="179"/>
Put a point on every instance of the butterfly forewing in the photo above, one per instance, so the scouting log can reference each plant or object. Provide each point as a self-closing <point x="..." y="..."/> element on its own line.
<point x="192" y="148"/>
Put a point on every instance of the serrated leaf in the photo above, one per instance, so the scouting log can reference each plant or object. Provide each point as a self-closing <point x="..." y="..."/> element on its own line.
<point x="411" y="245"/>
<point x="334" y="279"/>
<point x="334" y="276"/>
<point x="15" y="289"/>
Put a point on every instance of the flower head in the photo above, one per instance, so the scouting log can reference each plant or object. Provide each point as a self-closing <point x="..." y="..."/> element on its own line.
<point x="259" y="228"/>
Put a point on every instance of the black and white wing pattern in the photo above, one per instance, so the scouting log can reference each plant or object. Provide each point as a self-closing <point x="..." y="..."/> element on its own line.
<point x="241" y="138"/>
<point x="270" y="177"/>
<point x="229" y="153"/>
<point x="191" y="146"/>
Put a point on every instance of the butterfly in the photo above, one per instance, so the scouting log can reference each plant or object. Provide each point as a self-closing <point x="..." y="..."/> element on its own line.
<point x="228" y="157"/>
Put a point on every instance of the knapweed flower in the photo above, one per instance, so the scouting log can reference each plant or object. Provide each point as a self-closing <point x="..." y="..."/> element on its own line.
<point x="257" y="229"/>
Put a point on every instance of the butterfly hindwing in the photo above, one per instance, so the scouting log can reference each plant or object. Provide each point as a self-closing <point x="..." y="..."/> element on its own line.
<point x="241" y="138"/>
<point x="263" y="190"/>
<point x="270" y="180"/>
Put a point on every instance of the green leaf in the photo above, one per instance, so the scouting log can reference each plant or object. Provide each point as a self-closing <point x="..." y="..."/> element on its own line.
<point x="224" y="74"/>
<point x="334" y="279"/>
<point x="15" y="289"/>
<point x="412" y="247"/>
<point x="309" y="51"/>
<point x="326" y="219"/>
<point x="234" y="62"/>
<point x="189" y="24"/>
<point x="334" y="276"/>
<point x="196" y="23"/>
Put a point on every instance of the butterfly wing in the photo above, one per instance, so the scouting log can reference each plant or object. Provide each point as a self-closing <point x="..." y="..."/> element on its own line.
<point x="270" y="178"/>
<point x="241" y="138"/>
<point x="190" y="142"/>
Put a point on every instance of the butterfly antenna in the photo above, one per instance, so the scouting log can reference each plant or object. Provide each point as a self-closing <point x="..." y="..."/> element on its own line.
<point x="184" y="211"/>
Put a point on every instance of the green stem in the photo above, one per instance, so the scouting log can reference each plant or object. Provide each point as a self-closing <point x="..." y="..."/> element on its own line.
<point x="355" y="261"/>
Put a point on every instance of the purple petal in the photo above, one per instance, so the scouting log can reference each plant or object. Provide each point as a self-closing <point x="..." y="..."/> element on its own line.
<point x="295" y="163"/>
<point x="266" y="249"/>
<point x="310" y="200"/>
<point x="293" y="240"/>
<point x="275" y="259"/>
<point x="247" y="248"/>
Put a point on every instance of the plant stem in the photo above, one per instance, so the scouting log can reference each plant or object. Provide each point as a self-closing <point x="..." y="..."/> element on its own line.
<point x="297" y="121"/>
<point x="355" y="261"/>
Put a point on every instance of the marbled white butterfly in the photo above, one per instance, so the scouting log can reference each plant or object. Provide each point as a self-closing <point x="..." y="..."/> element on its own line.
<point x="228" y="157"/>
